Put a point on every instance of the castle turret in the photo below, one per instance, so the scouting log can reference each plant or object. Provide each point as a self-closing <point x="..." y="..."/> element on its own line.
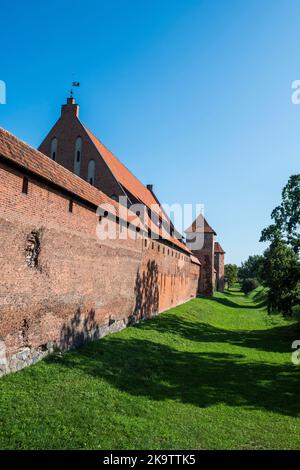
<point x="200" y="240"/>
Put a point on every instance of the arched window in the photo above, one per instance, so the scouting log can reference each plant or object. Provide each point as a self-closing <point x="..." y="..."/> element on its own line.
<point x="53" y="150"/>
<point x="77" y="158"/>
<point x="91" y="172"/>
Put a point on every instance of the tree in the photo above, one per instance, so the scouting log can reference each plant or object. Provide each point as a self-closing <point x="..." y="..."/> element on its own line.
<point x="281" y="270"/>
<point x="281" y="274"/>
<point x="251" y="268"/>
<point x="231" y="273"/>
<point x="286" y="216"/>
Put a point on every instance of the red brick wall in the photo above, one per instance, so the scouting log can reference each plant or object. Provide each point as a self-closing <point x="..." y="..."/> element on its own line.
<point x="81" y="287"/>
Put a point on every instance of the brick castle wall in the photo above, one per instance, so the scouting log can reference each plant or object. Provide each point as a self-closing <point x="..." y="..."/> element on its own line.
<point x="60" y="285"/>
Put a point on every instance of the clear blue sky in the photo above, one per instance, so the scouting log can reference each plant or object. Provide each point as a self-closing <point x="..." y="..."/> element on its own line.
<point x="193" y="96"/>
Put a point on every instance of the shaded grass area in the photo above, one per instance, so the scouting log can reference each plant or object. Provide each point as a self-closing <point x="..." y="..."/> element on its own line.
<point x="211" y="374"/>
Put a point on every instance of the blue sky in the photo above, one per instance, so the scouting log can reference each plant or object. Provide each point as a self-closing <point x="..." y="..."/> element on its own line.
<point x="193" y="96"/>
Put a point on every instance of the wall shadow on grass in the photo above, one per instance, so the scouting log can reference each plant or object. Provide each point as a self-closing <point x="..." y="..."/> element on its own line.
<point x="231" y="304"/>
<point x="277" y="339"/>
<point x="144" y="368"/>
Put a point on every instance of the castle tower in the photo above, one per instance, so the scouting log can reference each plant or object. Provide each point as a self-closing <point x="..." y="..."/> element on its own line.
<point x="204" y="252"/>
<point x="219" y="267"/>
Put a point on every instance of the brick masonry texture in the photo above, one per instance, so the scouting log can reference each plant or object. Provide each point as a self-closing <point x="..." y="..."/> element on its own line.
<point x="113" y="178"/>
<point x="60" y="285"/>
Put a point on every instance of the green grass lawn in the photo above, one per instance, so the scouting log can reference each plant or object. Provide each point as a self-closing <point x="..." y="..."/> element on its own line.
<point x="210" y="374"/>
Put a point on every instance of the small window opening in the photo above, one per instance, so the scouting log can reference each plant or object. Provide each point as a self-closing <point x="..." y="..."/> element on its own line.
<point x="25" y="185"/>
<point x="53" y="150"/>
<point x="91" y="172"/>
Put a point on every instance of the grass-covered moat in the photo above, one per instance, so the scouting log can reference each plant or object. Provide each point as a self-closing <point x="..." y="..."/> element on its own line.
<point x="210" y="374"/>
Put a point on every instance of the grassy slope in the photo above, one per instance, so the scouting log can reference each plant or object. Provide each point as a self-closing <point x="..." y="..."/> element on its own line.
<point x="210" y="374"/>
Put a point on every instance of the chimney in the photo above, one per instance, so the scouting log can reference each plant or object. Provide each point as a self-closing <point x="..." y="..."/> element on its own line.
<point x="150" y="187"/>
<point x="71" y="109"/>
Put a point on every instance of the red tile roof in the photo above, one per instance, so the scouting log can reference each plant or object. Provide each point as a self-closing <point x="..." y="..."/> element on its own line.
<point x="30" y="159"/>
<point x="200" y="224"/>
<point x="36" y="162"/>
<point x="218" y="248"/>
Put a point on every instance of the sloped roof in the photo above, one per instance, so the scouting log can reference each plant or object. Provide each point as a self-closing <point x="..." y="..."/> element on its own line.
<point x="27" y="157"/>
<point x="218" y="248"/>
<point x="200" y="224"/>
<point x="195" y="260"/>
<point x="30" y="159"/>
<point x="123" y="175"/>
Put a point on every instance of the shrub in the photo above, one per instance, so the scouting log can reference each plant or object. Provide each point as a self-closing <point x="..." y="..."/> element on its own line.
<point x="249" y="285"/>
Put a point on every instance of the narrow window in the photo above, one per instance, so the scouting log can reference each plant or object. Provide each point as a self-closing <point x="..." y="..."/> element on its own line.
<point x="91" y="172"/>
<point x="77" y="159"/>
<point x="25" y="185"/>
<point x="70" y="205"/>
<point x="53" y="150"/>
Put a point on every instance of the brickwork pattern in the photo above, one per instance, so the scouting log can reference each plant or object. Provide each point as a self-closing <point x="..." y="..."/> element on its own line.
<point x="61" y="286"/>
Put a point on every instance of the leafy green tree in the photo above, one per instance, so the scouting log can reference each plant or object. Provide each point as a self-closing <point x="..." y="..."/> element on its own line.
<point x="281" y="271"/>
<point x="231" y="273"/>
<point x="286" y="216"/>
<point x="251" y="268"/>
<point x="281" y="274"/>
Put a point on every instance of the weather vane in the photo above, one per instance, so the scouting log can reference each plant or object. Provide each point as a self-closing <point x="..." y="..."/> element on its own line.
<point x="74" y="84"/>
